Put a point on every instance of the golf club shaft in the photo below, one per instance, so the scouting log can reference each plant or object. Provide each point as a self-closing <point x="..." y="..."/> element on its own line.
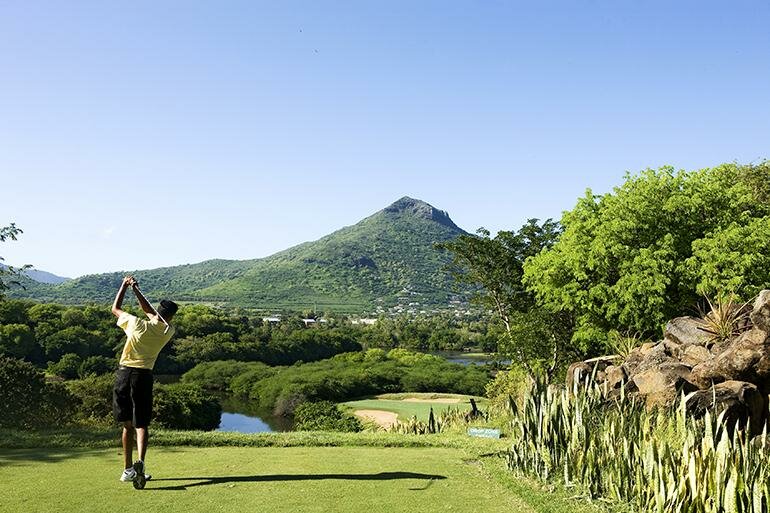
<point x="136" y="288"/>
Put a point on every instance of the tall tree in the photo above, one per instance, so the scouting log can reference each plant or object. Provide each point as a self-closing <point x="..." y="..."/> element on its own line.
<point x="495" y="265"/>
<point x="646" y="252"/>
<point x="7" y="273"/>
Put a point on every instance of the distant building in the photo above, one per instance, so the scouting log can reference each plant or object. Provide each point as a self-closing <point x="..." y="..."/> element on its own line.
<point x="271" y="320"/>
<point x="364" y="321"/>
<point x="312" y="322"/>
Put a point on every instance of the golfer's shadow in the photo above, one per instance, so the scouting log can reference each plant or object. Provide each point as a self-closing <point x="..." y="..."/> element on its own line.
<point x="205" y="481"/>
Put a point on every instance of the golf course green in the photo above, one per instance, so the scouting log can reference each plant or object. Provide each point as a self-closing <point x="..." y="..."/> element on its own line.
<point x="271" y="479"/>
<point x="407" y="405"/>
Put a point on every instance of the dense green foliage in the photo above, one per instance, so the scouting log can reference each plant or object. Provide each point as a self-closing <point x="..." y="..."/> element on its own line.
<point x="184" y="406"/>
<point x="76" y="341"/>
<point x="93" y="399"/>
<point x="324" y="416"/>
<point x="496" y="264"/>
<point x="217" y="376"/>
<point x="343" y="377"/>
<point x="28" y="400"/>
<point x="439" y="332"/>
<point x="386" y="256"/>
<point x="646" y="252"/>
<point x="536" y="339"/>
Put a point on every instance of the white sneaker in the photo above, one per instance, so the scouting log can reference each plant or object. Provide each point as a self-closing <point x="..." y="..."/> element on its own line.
<point x="129" y="475"/>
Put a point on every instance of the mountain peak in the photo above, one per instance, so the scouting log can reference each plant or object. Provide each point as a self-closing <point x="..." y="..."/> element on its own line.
<point x="420" y="209"/>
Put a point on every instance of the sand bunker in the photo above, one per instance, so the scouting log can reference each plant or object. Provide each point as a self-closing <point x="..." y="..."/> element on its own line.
<point x="384" y="419"/>
<point x="447" y="400"/>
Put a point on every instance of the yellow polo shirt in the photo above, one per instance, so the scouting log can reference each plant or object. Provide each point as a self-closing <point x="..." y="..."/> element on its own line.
<point x="144" y="341"/>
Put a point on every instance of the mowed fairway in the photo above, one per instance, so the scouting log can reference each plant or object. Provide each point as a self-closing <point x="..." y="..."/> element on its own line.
<point x="270" y="479"/>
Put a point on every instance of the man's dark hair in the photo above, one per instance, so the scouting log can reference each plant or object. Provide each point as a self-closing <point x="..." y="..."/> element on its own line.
<point x="167" y="308"/>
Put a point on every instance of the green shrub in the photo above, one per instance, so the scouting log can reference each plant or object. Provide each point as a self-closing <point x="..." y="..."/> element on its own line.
<point x="349" y="376"/>
<point x="411" y="358"/>
<point x="94" y="398"/>
<point x="242" y="384"/>
<point x="96" y="366"/>
<point x="375" y="355"/>
<point x="218" y="375"/>
<point x="17" y="341"/>
<point x="184" y="406"/>
<point x="511" y="383"/>
<point x="67" y="367"/>
<point x="28" y="400"/>
<point x="289" y="399"/>
<point x="324" y="416"/>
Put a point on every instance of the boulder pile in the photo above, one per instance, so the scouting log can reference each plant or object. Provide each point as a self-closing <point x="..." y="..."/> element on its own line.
<point x="731" y="375"/>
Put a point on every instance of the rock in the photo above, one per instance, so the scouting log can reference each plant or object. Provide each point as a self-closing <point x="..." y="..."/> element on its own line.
<point x="616" y="376"/>
<point x="694" y="355"/>
<point x="736" y="370"/>
<point x="673" y="349"/>
<point x="741" y="402"/>
<point x="738" y="361"/>
<point x="632" y="361"/>
<point x="686" y="331"/>
<point x="581" y="372"/>
<point x="655" y="357"/>
<point x="760" y="316"/>
<point x="661" y="385"/>
<point x="647" y="347"/>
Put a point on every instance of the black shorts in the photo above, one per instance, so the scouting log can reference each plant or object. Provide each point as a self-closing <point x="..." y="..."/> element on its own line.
<point x="132" y="396"/>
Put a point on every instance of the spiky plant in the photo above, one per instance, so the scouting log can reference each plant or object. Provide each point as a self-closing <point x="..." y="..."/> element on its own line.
<point x="662" y="461"/>
<point x="726" y="318"/>
<point x="623" y="344"/>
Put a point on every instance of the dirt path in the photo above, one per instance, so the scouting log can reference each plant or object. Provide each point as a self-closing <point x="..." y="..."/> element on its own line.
<point x="382" y="418"/>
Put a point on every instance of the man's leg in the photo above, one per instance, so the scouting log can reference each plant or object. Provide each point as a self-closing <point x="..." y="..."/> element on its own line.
<point x="123" y="409"/>
<point x="128" y="444"/>
<point x="141" y="393"/>
<point x="141" y="442"/>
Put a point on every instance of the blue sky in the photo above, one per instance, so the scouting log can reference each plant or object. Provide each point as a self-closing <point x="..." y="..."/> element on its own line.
<point x="144" y="134"/>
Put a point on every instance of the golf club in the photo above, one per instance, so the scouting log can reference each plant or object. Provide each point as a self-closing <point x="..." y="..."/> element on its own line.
<point x="136" y="288"/>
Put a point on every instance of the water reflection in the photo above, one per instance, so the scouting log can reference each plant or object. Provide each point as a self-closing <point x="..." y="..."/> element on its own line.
<point x="465" y="358"/>
<point x="243" y="424"/>
<point x="243" y="417"/>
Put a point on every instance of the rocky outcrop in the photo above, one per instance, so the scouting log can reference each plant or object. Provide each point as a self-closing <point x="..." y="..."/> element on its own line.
<point x="731" y="376"/>
<point x="740" y="402"/>
<point x="686" y="331"/>
<point x="581" y="373"/>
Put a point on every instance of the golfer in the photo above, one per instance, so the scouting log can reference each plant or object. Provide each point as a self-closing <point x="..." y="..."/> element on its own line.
<point x="132" y="394"/>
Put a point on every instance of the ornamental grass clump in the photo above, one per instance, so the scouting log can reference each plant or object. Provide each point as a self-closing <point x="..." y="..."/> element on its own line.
<point x="727" y="318"/>
<point x="661" y="461"/>
<point x="622" y="345"/>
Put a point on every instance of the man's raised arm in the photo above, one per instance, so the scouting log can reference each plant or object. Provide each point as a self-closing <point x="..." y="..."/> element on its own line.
<point x="146" y="307"/>
<point x="118" y="303"/>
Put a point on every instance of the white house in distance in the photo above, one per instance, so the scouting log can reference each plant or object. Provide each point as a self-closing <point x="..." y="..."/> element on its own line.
<point x="311" y="322"/>
<point x="365" y="321"/>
